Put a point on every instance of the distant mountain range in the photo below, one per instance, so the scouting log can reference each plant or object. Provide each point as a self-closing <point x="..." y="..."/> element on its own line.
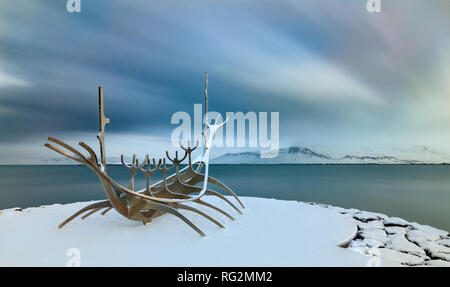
<point x="304" y="155"/>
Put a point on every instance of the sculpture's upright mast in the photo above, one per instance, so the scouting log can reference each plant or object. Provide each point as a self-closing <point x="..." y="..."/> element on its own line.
<point x="103" y="122"/>
<point x="206" y="94"/>
<point x="206" y="107"/>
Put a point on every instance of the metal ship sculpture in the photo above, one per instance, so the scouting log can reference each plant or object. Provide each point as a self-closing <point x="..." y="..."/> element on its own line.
<point x="166" y="196"/>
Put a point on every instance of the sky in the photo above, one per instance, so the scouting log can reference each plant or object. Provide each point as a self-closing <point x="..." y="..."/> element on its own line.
<point x="342" y="79"/>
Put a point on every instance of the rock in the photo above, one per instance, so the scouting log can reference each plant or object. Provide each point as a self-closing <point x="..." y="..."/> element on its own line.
<point x="349" y="212"/>
<point x="393" y="256"/>
<point x="375" y="234"/>
<point x="353" y="210"/>
<point x="368" y="216"/>
<point x="428" y="228"/>
<point x="396" y="221"/>
<point x="445" y="242"/>
<point x="396" y="230"/>
<point x="357" y="243"/>
<point x="338" y="209"/>
<point x="400" y="243"/>
<point x="371" y="224"/>
<point x="366" y="243"/>
<point x="435" y="251"/>
<point x="417" y="236"/>
<point x="381" y="216"/>
<point x="17" y="209"/>
<point x="351" y="233"/>
<point x="437" y="263"/>
<point x="443" y="256"/>
<point x="437" y="247"/>
<point x="372" y="243"/>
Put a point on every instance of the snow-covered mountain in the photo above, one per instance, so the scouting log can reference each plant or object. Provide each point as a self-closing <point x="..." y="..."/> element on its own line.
<point x="304" y="155"/>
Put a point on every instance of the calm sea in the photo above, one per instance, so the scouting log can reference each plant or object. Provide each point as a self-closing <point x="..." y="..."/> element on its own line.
<point x="414" y="192"/>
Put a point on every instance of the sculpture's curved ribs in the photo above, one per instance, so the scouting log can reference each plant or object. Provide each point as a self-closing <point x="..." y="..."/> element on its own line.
<point x="191" y="189"/>
<point x="219" y="183"/>
<point x="89" y="207"/>
<point x="133" y="168"/>
<point x="212" y="192"/>
<point x="148" y="172"/>
<point x="106" y="210"/>
<point x="173" y="211"/>
<point x="191" y="173"/>
<point x="199" y="201"/>
<point x="187" y="207"/>
<point x="204" y="203"/>
<point x="91" y="212"/>
<point x="92" y="156"/>
<point x="195" y="177"/>
<point x="186" y="188"/>
<point x="164" y="170"/>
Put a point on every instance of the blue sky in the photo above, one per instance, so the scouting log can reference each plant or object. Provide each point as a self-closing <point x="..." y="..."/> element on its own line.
<point x="341" y="78"/>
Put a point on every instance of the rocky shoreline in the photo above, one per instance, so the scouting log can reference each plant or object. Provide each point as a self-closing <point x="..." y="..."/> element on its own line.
<point x="396" y="241"/>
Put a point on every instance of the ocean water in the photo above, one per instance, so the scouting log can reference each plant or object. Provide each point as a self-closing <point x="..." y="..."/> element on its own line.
<point x="414" y="192"/>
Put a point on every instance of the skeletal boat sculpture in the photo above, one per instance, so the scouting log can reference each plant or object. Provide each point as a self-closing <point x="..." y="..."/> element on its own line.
<point x="166" y="196"/>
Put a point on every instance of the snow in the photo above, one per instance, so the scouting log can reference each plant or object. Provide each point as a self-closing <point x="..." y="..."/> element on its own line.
<point x="371" y="224"/>
<point x="396" y="221"/>
<point x="436" y="250"/>
<point x="428" y="228"/>
<point x="438" y="263"/>
<point x="368" y="216"/>
<point x="393" y="257"/>
<point x="420" y="235"/>
<point x="400" y="243"/>
<point x="372" y="243"/>
<point x="269" y="233"/>
<point x="396" y="230"/>
<point x="374" y="234"/>
<point x="445" y="242"/>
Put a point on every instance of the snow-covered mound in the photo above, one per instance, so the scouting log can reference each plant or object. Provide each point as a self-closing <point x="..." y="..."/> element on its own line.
<point x="270" y="233"/>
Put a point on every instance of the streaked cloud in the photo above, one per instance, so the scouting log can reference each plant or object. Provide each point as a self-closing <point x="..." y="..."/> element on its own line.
<point x="339" y="76"/>
<point x="7" y="80"/>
